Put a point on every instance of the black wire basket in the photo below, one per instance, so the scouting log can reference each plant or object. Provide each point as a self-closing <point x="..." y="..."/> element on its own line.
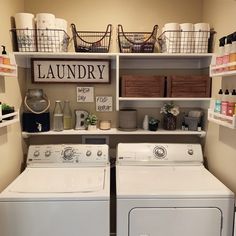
<point x="180" y="41"/>
<point x="39" y="40"/>
<point x="92" y="41"/>
<point x="137" y="42"/>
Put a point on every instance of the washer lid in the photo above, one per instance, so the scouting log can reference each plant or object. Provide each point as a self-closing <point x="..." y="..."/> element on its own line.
<point x="59" y="180"/>
<point x="168" y="181"/>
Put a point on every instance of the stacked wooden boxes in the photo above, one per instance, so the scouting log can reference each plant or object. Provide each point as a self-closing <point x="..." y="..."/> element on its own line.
<point x="161" y="86"/>
<point x="142" y="86"/>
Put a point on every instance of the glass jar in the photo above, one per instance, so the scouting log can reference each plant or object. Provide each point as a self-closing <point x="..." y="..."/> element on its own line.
<point x="36" y="101"/>
<point x="58" y="117"/>
<point x="67" y="115"/>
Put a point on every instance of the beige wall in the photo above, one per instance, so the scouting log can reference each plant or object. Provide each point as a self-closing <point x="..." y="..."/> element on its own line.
<point x="134" y="15"/>
<point x="10" y="137"/>
<point x="221" y="141"/>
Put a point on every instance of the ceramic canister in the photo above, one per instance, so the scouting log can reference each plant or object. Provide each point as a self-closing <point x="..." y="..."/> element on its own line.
<point x="128" y="119"/>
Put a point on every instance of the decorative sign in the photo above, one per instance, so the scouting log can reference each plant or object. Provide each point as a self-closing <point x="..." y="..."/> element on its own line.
<point x="70" y="70"/>
<point x="85" y="94"/>
<point x="103" y="104"/>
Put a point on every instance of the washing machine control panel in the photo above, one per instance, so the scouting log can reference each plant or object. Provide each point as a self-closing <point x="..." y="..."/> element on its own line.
<point x="69" y="154"/>
<point x="150" y="153"/>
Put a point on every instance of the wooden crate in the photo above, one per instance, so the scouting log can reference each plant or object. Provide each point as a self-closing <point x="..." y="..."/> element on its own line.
<point x="142" y="86"/>
<point x="188" y="86"/>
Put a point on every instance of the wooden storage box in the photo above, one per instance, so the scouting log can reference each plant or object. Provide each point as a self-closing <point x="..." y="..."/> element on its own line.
<point x="188" y="86"/>
<point x="142" y="86"/>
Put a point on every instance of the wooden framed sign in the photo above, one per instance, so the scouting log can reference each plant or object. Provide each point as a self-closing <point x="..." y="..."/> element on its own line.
<point x="69" y="70"/>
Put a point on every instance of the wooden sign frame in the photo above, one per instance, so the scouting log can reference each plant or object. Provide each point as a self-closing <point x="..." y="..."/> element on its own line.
<point x="70" y="70"/>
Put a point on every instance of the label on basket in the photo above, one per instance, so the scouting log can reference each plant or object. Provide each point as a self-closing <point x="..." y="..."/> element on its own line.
<point x="70" y="70"/>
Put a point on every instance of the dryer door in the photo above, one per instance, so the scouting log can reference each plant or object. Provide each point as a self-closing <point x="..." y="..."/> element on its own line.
<point x="175" y="221"/>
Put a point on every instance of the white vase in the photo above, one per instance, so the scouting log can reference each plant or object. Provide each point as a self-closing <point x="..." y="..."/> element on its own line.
<point x="92" y="127"/>
<point x="145" y="122"/>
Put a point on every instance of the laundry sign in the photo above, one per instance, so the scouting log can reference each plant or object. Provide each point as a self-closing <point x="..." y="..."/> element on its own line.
<point x="70" y="70"/>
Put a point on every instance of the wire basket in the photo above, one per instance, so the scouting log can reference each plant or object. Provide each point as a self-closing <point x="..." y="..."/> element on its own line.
<point x="179" y="41"/>
<point x="137" y="42"/>
<point x="40" y="40"/>
<point x="92" y="41"/>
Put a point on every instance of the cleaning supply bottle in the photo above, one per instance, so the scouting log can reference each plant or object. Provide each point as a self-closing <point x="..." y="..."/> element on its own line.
<point x="227" y="50"/>
<point x="232" y="55"/>
<point x="219" y="58"/>
<point x="225" y="102"/>
<point x="218" y="100"/>
<point x="5" y="59"/>
<point x="0" y="112"/>
<point x="231" y="104"/>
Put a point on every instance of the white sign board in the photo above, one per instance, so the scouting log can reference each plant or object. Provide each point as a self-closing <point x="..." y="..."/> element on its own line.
<point x="103" y="104"/>
<point x="85" y="94"/>
<point x="70" y="70"/>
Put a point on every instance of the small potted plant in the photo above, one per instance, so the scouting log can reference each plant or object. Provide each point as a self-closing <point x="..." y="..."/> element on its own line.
<point x="153" y="124"/>
<point x="7" y="109"/>
<point x="91" y="122"/>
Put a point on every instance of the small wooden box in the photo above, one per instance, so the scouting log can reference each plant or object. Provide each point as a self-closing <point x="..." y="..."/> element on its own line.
<point x="188" y="86"/>
<point x="142" y="86"/>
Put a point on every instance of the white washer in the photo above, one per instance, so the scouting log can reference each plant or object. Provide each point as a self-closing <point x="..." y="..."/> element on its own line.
<point x="63" y="191"/>
<point x="164" y="190"/>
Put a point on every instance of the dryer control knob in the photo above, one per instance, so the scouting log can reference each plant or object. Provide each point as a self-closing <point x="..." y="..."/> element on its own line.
<point x="190" y="151"/>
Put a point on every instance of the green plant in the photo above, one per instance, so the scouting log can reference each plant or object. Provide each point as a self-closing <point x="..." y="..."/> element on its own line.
<point x="170" y="109"/>
<point x="6" y="107"/>
<point x="153" y="121"/>
<point x="91" y="119"/>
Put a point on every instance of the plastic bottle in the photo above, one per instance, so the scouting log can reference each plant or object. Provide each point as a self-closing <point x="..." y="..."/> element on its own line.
<point x="5" y="59"/>
<point x="58" y="117"/>
<point x="231" y="105"/>
<point x="225" y="102"/>
<point x="67" y="115"/>
<point x="219" y="58"/>
<point x="232" y="55"/>
<point x="227" y="50"/>
<point x="0" y="112"/>
<point x="218" y="100"/>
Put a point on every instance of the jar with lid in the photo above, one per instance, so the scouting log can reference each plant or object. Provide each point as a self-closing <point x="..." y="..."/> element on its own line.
<point x="58" y="117"/>
<point x="67" y="115"/>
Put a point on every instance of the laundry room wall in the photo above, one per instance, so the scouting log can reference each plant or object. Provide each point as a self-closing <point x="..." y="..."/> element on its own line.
<point x="10" y="92"/>
<point x="221" y="141"/>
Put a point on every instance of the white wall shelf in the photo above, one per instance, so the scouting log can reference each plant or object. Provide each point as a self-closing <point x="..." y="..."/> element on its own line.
<point x="221" y="70"/>
<point x="15" y="119"/>
<point x="227" y="121"/>
<point x="23" y="59"/>
<point x="135" y="61"/>
<point x="158" y="102"/>
<point x="115" y="131"/>
<point x="13" y="69"/>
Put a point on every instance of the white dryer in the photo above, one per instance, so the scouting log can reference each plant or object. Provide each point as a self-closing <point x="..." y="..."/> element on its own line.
<point x="64" y="191"/>
<point x="164" y="190"/>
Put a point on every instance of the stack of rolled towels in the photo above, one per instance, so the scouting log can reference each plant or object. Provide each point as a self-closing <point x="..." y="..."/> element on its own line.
<point x="185" y="38"/>
<point x="43" y="32"/>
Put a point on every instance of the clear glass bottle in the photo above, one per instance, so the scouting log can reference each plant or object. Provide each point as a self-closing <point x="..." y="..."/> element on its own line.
<point x="58" y="117"/>
<point x="67" y="115"/>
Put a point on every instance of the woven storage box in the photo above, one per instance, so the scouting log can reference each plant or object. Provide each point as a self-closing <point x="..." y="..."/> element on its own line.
<point x="142" y="86"/>
<point x="188" y="86"/>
